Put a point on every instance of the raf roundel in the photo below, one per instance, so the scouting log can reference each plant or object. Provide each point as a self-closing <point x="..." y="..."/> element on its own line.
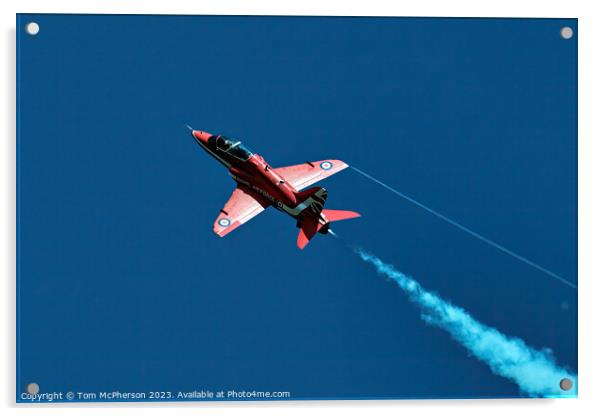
<point x="224" y="222"/>
<point x="326" y="165"/>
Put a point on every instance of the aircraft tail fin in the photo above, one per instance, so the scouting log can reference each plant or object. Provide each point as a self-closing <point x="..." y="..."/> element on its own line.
<point x="308" y="228"/>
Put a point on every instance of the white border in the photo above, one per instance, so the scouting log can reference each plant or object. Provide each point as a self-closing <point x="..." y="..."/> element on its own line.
<point x="590" y="207"/>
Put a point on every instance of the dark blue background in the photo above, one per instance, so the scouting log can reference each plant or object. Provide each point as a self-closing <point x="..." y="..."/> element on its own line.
<point x="122" y="283"/>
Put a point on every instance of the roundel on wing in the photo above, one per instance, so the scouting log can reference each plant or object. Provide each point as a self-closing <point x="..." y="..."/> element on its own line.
<point x="224" y="222"/>
<point x="326" y="165"/>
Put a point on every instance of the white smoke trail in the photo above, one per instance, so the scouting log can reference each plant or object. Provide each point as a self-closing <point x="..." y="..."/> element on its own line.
<point x="535" y="372"/>
<point x="467" y="230"/>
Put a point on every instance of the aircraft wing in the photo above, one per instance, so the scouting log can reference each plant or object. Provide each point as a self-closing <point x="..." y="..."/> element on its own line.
<point x="240" y="208"/>
<point x="308" y="173"/>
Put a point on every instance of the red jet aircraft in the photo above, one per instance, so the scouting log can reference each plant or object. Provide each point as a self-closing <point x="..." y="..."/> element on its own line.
<point x="258" y="186"/>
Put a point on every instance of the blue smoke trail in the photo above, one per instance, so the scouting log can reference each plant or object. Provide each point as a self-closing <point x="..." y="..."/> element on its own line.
<point x="535" y="372"/>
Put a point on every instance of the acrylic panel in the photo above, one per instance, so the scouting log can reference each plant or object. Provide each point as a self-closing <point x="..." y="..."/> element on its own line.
<point x="293" y="208"/>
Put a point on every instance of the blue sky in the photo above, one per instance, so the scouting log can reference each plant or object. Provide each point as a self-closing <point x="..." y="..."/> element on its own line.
<point x="124" y="284"/>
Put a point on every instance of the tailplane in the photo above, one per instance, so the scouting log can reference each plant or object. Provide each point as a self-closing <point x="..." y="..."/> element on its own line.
<point x="333" y="215"/>
<point x="314" y="218"/>
<point x="310" y="226"/>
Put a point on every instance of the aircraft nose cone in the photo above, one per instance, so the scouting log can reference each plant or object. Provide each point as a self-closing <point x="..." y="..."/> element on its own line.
<point x="201" y="136"/>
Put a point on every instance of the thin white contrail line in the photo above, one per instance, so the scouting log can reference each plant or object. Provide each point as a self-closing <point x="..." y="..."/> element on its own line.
<point x="468" y="230"/>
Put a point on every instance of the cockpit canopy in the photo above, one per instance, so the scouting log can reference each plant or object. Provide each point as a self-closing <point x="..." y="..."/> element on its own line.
<point x="233" y="147"/>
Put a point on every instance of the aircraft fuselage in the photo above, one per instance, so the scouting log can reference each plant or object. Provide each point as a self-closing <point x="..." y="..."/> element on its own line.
<point x="253" y="173"/>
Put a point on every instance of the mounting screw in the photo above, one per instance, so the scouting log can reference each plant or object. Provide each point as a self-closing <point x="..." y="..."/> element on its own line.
<point x="32" y="28"/>
<point x="33" y="388"/>
<point x="566" y="384"/>
<point x="566" y="32"/>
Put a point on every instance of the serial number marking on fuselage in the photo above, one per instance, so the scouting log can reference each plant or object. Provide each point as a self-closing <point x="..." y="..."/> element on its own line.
<point x="293" y="211"/>
<point x="263" y="193"/>
<point x="256" y="189"/>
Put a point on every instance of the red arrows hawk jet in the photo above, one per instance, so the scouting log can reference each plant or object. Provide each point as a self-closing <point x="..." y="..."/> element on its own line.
<point x="258" y="186"/>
